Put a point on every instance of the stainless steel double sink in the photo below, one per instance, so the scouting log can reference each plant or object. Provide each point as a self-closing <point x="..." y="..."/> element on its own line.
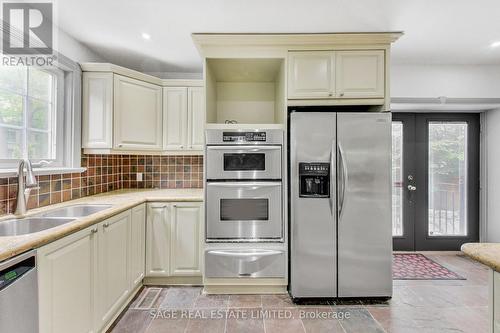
<point x="48" y="220"/>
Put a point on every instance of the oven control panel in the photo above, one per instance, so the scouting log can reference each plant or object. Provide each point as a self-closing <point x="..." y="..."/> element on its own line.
<point x="244" y="136"/>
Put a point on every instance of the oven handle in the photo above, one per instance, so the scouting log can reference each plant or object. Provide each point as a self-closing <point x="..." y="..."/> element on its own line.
<point x="262" y="253"/>
<point x="245" y="148"/>
<point x="244" y="184"/>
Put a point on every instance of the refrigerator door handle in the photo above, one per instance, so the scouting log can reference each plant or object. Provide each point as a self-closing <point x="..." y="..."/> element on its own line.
<point x="332" y="177"/>
<point x="343" y="174"/>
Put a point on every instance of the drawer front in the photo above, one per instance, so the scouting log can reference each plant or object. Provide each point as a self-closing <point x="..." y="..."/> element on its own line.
<point x="226" y="263"/>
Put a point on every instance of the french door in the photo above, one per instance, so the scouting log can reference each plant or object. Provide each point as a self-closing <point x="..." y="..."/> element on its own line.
<point x="435" y="171"/>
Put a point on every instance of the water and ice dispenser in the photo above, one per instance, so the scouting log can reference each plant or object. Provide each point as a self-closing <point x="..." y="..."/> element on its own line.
<point x="314" y="180"/>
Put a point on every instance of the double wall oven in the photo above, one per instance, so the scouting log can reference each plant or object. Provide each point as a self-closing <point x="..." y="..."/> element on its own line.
<point x="244" y="195"/>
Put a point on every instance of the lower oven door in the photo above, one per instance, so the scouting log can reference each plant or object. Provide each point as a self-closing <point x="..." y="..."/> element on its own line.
<point x="244" y="211"/>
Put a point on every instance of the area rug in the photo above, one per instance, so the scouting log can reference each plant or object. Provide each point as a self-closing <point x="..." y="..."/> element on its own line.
<point x="416" y="266"/>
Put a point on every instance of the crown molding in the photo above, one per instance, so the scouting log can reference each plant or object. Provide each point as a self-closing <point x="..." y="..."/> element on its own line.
<point x="293" y="41"/>
<point x="115" y="69"/>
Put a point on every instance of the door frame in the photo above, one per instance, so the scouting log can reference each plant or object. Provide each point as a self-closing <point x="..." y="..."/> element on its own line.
<point x="407" y="241"/>
<point x="415" y="162"/>
<point x="446" y="243"/>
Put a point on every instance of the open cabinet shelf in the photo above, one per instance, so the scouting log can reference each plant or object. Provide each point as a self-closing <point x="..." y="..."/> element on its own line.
<point x="248" y="91"/>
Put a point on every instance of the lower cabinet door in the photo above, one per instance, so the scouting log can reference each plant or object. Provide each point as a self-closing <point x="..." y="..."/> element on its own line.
<point x="185" y="256"/>
<point x="66" y="278"/>
<point x="137" y="245"/>
<point x="496" y="302"/>
<point x="113" y="278"/>
<point x="158" y="240"/>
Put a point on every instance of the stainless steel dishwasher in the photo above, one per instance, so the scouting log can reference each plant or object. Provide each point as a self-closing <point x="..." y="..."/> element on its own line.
<point x="19" y="294"/>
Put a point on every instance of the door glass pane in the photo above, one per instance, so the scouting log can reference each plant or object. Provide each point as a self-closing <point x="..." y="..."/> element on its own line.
<point x="397" y="178"/>
<point x="447" y="179"/>
<point x="244" y="209"/>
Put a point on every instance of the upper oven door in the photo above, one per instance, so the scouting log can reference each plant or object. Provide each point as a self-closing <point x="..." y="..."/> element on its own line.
<point x="243" y="162"/>
<point x="243" y="211"/>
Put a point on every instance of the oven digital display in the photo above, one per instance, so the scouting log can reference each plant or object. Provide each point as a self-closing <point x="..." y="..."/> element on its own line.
<point x="244" y="136"/>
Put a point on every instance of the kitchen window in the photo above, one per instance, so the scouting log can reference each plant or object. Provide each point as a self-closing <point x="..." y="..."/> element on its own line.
<point x="36" y="120"/>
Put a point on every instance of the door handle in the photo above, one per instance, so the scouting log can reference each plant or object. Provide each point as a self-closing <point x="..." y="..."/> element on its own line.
<point x="412" y="188"/>
<point x="343" y="172"/>
<point x="332" y="176"/>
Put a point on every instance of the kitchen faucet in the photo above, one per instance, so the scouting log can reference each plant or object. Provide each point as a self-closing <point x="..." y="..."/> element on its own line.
<point x="24" y="188"/>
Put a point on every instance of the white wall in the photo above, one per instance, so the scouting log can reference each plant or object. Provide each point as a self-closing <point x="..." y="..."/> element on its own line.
<point x="73" y="49"/>
<point x="452" y="81"/>
<point x="492" y="184"/>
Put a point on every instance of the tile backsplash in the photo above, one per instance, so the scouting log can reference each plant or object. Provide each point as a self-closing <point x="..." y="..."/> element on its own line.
<point x="107" y="173"/>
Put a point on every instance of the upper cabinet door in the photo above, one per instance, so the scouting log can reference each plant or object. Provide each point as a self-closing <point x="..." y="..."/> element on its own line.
<point x="175" y="118"/>
<point x="97" y="110"/>
<point x="196" y="118"/>
<point x="360" y="74"/>
<point x="138" y="114"/>
<point x="311" y="74"/>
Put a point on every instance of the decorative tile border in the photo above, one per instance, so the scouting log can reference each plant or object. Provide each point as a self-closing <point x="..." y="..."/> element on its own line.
<point x="107" y="173"/>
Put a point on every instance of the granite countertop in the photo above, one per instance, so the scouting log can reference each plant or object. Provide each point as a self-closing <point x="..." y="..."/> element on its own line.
<point x="120" y="200"/>
<point x="485" y="253"/>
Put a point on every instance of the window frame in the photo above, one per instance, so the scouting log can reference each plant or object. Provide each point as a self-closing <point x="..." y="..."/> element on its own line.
<point x="68" y="123"/>
<point x="56" y="129"/>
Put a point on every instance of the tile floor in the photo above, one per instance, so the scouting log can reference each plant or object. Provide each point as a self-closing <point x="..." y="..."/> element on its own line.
<point x="416" y="306"/>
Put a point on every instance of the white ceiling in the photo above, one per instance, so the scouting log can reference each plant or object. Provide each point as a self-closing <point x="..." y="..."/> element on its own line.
<point x="436" y="31"/>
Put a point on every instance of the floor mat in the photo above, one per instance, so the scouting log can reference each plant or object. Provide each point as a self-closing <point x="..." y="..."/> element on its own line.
<point x="416" y="266"/>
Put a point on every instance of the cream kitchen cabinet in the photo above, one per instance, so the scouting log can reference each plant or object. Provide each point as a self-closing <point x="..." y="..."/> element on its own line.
<point x="120" y="113"/>
<point x="184" y="118"/>
<point x="360" y="74"/>
<point x="158" y="240"/>
<point x="66" y="279"/>
<point x="113" y="279"/>
<point x="173" y="239"/>
<point x="86" y="278"/>
<point x="311" y="74"/>
<point x="495" y="301"/>
<point x="97" y="105"/>
<point x="138" y="114"/>
<point x="353" y="74"/>
<point x="185" y="250"/>
<point x="137" y="246"/>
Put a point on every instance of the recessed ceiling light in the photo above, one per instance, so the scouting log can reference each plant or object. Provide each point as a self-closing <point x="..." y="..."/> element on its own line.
<point x="495" y="44"/>
<point x="146" y="36"/>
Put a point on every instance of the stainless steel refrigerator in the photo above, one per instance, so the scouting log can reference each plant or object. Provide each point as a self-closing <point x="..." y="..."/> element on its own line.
<point x="340" y="204"/>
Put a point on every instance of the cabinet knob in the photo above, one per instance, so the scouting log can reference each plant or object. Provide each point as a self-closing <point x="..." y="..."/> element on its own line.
<point x="330" y="94"/>
<point x="93" y="230"/>
<point x="341" y="94"/>
<point x="175" y="205"/>
<point x="105" y="225"/>
<point x="120" y="145"/>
